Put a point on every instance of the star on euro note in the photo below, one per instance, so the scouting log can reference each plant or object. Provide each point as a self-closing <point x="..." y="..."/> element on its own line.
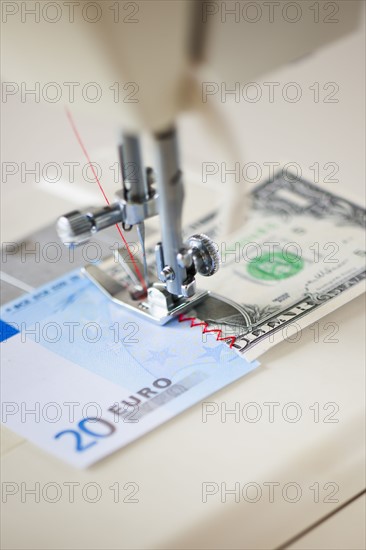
<point x="160" y="356"/>
<point x="114" y="347"/>
<point x="214" y="353"/>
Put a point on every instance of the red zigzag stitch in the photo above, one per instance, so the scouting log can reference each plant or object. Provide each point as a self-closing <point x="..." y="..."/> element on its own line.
<point x="206" y="330"/>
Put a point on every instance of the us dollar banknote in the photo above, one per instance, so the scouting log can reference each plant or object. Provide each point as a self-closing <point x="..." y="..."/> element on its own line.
<point x="300" y="255"/>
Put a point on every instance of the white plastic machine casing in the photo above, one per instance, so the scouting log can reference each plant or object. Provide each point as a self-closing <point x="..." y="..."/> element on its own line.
<point x="156" y="45"/>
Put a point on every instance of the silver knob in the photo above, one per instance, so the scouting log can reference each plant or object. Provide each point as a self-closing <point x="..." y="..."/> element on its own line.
<point x="78" y="227"/>
<point x="205" y="254"/>
<point x="75" y="228"/>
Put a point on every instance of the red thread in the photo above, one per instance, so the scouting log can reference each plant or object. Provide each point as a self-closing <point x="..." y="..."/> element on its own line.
<point x="206" y="330"/>
<point x="77" y="135"/>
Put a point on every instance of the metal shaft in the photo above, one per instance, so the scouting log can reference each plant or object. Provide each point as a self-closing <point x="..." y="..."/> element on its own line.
<point x="171" y="195"/>
<point x="134" y="178"/>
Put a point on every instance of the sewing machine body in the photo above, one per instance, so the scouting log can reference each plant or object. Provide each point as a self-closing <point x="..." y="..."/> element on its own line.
<point x="312" y="454"/>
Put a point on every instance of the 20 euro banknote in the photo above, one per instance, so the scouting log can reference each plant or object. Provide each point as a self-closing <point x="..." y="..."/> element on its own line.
<point x="82" y="377"/>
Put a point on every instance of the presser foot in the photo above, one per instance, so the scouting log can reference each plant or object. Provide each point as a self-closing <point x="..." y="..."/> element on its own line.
<point x="159" y="306"/>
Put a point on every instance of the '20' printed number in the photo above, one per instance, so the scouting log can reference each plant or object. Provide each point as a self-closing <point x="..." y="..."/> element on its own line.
<point x="84" y="429"/>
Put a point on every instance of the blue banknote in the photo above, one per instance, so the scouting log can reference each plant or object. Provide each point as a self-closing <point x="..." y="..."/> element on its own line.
<point x="68" y="343"/>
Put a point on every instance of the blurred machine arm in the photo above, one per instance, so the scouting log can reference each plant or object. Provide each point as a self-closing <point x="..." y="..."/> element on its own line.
<point x="171" y="52"/>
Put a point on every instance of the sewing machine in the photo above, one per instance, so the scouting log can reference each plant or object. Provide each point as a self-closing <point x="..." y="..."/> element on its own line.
<point x="173" y="514"/>
<point x="173" y="49"/>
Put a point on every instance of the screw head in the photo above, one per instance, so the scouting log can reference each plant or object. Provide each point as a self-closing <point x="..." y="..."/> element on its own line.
<point x="168" y="273"/>
<point x="205" y="254"/>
